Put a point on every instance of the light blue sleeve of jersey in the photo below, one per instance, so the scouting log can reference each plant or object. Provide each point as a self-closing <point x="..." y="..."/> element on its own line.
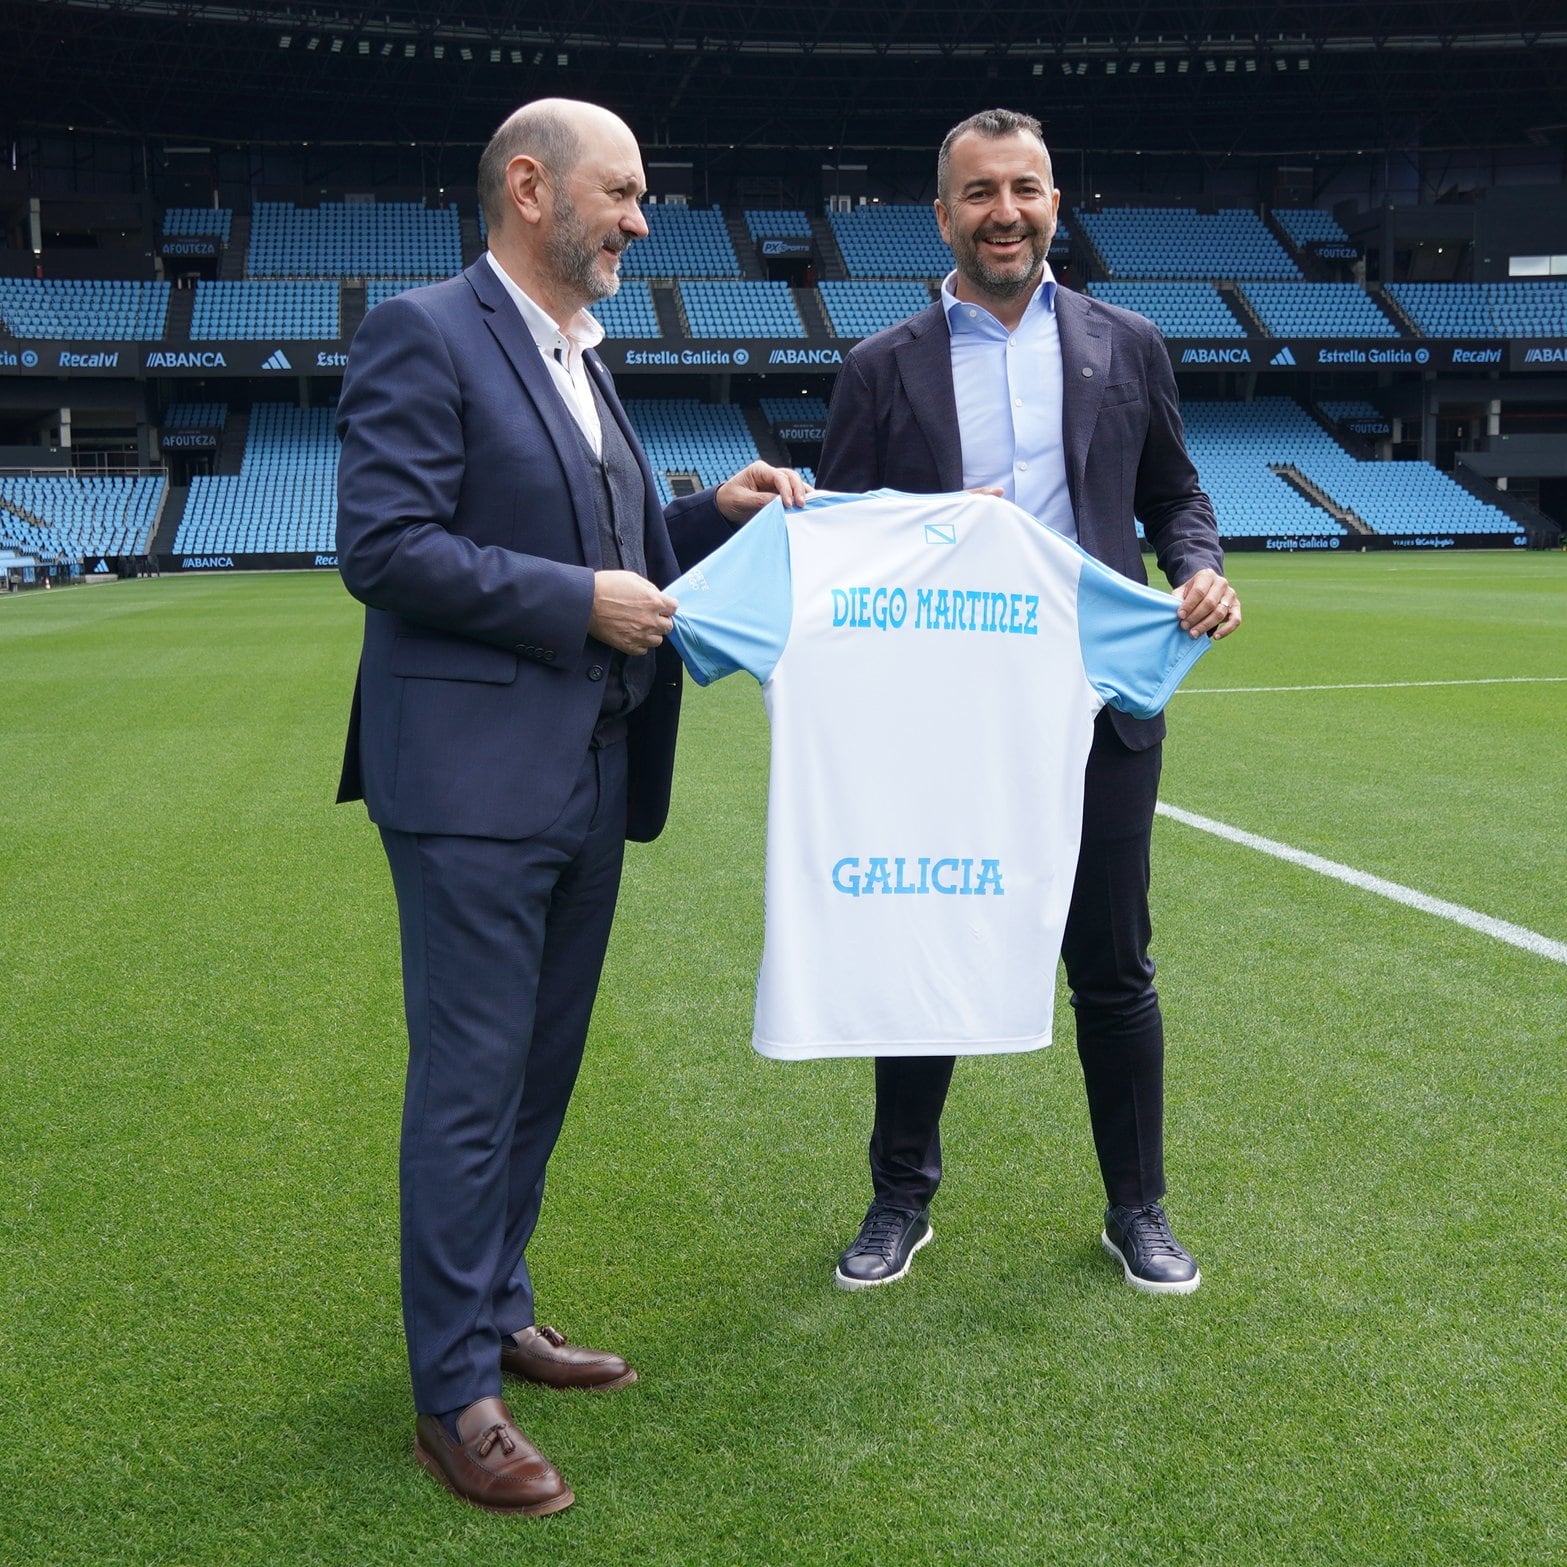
<point x="735" y="607"/>
<point x="1134" y="651"/>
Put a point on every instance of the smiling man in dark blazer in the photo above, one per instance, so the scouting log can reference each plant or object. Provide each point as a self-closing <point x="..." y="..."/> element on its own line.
<point x="1067" y="406"/>
<point x="513" y="723"/>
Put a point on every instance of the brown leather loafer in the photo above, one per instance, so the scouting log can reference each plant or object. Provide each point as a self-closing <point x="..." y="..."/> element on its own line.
<point x="494" y="1466"/>
<point x="542" y="1355"/>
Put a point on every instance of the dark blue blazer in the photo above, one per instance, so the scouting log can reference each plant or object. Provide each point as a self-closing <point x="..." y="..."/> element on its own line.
<point x="893" y="422"/>
<point x="466" y="525"/>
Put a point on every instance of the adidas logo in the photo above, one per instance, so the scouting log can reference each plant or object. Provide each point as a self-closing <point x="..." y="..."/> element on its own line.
<point x="1283" y="357"/>
<point x="278" y="360"/>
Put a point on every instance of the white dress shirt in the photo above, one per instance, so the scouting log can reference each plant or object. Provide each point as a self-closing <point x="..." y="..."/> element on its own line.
<point x="562" y="353"/>
<point x="1009" y="389"/>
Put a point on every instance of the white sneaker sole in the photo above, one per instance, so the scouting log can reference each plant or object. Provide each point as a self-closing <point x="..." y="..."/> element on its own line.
<point x="845" y="1283"/>
<point x="1147" y="1286"/>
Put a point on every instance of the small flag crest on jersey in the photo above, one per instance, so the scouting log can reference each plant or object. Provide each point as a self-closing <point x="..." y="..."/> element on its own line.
<point x="941" y="533"/>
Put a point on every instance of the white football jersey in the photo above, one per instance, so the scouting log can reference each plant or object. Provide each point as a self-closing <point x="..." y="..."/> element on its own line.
<point x="931" y="667"/>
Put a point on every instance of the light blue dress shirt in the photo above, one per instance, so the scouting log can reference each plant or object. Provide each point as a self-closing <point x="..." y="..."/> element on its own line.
<point x="1008" y="387"/>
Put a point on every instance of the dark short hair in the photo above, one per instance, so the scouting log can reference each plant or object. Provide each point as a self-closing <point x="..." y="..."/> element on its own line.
<point x="988" y="122"/>
<point x="536" y="130"/>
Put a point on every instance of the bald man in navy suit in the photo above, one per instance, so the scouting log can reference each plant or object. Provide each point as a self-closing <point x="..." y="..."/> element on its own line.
<point x="1067" y="406"/>
<point x="513" y="723"/>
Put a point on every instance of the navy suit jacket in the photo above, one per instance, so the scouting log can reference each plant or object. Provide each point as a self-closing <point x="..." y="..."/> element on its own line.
<point x="893" y="423"/>
<point x="466" y="525"/>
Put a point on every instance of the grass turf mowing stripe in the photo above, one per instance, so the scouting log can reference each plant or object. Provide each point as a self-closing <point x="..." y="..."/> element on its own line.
<point x="1501" y="930"/>
<point x="1375" y="685"/>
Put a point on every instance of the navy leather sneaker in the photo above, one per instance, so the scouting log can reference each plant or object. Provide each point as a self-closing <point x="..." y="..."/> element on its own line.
<point x="884" y="1248"/>
<point x="1150" y="1256"/>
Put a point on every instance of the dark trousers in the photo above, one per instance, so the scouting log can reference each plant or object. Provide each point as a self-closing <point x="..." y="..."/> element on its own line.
<point x="1120" y="1033"/>
<point x="502" y="943"/>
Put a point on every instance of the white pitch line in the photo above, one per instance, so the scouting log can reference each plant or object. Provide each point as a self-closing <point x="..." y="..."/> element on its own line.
<point x="1500" y="930"/>
<point x="1378" y="685"/>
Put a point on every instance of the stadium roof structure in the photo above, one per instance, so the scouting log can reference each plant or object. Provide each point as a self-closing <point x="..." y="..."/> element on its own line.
<point x="1295" y="76"/>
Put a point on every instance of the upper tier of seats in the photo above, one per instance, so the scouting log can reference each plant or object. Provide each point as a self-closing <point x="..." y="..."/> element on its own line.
<point x="794" y="410"/>
<point x="790" y="222"/>
<point x="740" y="309"/>
<point x="1177" y="309"/>
<point x="891" y="241"/>
<point x="1307" y="224"/>
<point x="1175" y="242"/>
<point x="1533" y="308"/>
<point x="195" y="416"/>
<point x="1318" y="310"/>
<point x="400" y="239"/>
<point x="264" y="309"/>
<point x="83" y="308"/>
<point x="199" y="220"/>
<point x="80" y="515"/>
<point x="682" y="242"/>
<point x="284" y="499"/>
<point x="858" y="307"/>
<point x="1342" y="408"/>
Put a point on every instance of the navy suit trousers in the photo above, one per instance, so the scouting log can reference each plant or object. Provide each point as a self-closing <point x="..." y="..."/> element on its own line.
<point x="503" y="942"/>
<point x="1120" y="1032"/>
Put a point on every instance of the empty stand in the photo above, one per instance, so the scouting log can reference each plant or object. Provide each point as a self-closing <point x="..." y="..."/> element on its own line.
<point x="83" y="308"/>
<point x="1177" y="309"/>
<point x="1310" y="225"/>
<point x="684" y="242"/>
<point x="396" y="239"/>
<point x="858" y="307"/>
<point x="284" y="498"/>
<point x="1239" y="447"/>
<point x="1176" y="242"/>
<point x="1318" y="310"/>
<point x="229" y="311"/>
<point x="891" y="242"/>
<point x="179" y="221"/>
<point x="681" y="435"/>
<point x="1510" y="309"/>
<point x="740" y="308"/>
<point x="72" y="515"/>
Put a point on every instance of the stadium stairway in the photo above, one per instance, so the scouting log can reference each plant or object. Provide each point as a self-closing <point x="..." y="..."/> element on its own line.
<point x="745" y="247"/>
<point x="762" y="433"/>
<point x="176" y="324"/>
<point x="1240" y="308"/>
<point x="30" y="518"/>
<point x="1358" y="446"/>
<point x="170" y="514"/>
<point x="1390" y="307"/>
<point x="834" y="269"/>
<point x="1087" y="262"/>
<point x="667" y="307"/>
<point x="472" y="244"/>
<point x="813" y="313"/>
<point x="231" y="260"/>
<point x="231" y="444"/>
<point x="1544" y="532"/>
<point x="1312" y="268"/>
<point x="351" y="309"/>
<point x="1320" y="498"/>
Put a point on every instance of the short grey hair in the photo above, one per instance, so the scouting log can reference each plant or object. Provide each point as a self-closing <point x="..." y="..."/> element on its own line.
<point x="541" y="131"/>
<point x="988" y="122"/>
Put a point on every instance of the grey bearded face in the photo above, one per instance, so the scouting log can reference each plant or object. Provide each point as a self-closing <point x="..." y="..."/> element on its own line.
<point x="998" y="283"/>
<point x="574" y="253"/>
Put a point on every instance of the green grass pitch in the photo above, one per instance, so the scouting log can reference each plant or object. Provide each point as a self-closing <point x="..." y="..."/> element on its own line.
<point x="200" y="1350"/>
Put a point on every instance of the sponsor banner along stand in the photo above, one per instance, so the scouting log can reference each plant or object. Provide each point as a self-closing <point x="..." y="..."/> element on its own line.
<point x="1355" y="543"/>
<point x="180" y="565"/>
<point x="749" y="356"/>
